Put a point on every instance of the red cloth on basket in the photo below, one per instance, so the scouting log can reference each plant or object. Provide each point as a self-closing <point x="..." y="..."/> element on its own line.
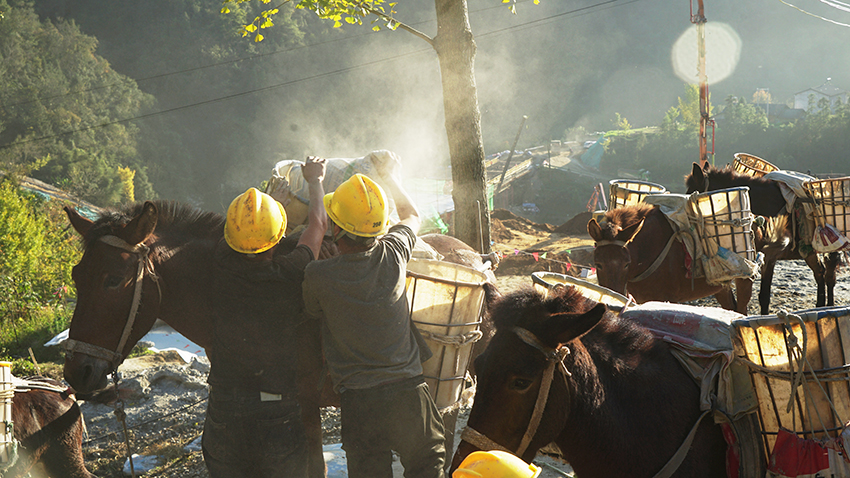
<point x="801" y="458"/>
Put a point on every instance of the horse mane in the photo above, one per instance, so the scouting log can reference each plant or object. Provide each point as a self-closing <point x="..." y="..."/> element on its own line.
<point x="622" y="217"/>
<point x="728" y="177"/>
<point x="527" y="308"/>
<point x="174" y="217"/>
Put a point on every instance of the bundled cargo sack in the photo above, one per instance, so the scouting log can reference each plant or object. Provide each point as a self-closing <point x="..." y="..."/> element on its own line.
<point x="287" y="180"/>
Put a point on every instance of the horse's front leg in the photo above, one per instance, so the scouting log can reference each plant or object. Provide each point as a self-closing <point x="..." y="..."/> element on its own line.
<point x="814" y="263"/>
<point x="743" y="293"/>
<point x="766" y="281"/>
<point x="726" y="298"/>
<point x="831" y="263"/>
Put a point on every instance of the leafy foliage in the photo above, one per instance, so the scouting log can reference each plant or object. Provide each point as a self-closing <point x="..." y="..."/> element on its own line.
<point x="36" y="256"/>
<point x="57" y="96"/>
<point x="816" y="144"/>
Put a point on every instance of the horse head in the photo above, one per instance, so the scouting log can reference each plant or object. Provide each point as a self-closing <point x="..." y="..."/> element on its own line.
<point x="522" y="401"/>
<point x="611" y="255"/>
<point x="111" y="314"/>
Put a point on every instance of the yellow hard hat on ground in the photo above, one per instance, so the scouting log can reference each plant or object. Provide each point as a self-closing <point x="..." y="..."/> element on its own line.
<point x="255" y="222"/>
<point x="359" y="206"/>
<point x="495" y="464"/>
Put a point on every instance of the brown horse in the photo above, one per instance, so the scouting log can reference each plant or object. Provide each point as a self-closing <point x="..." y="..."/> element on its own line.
<point x="638" y="253"/>
<point x="49" y="428"/>
<point x="778" y="239"/>
<point x="608" y="393"/>
<point x="167" y="249"/>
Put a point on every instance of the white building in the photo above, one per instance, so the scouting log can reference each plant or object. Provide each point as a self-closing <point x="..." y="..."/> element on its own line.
<point x="827" y="90"/>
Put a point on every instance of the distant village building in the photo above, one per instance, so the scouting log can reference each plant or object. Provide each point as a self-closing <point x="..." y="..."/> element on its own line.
<point x="827" y="90"/>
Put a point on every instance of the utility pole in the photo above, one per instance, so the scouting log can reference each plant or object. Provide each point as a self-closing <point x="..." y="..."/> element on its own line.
<point x="699" y="20"/>
<point x="511" y="155"/>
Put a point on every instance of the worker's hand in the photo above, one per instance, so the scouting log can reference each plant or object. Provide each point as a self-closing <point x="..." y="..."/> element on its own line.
<point x="279" y="190"/>
<point x="313" y="169"/>
<point x="329" y="249"/>
<point x="388" y="165"/>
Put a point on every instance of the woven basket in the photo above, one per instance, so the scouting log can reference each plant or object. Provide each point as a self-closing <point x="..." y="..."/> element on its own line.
<point x="628" y="192"/>
<point x="752" y="165"/>
<point x="832" y="202"/>
<point x="818" y="409"/>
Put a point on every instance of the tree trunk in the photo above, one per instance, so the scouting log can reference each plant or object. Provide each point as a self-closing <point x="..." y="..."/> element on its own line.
<point x="455" y="48"/>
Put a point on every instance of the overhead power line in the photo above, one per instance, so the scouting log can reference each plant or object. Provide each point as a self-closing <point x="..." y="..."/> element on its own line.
<point x="814" y="15"/>
<point x="581" y="11"/>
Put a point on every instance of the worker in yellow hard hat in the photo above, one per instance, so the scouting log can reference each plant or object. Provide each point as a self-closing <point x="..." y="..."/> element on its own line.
<point x="253" y="426"/>
<point x="495" y="464"/>
<point x="371" y="347"/>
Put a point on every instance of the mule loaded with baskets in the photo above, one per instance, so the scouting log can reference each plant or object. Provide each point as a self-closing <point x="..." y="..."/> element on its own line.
<point x="779" y="385"/>
<point x="825" y="203"/>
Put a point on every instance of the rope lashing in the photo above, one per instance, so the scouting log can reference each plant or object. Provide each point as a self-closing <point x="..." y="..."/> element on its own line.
<point x="453" y="340"/>
<point x="802" y="372"/>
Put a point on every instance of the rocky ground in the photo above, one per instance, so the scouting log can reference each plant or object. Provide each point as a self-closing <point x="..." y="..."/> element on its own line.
<point x="165" y="400"/>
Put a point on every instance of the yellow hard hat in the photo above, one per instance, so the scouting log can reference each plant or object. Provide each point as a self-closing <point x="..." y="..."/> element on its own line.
<point x="495" y="464"/>
<point x="255" y="222"/>
<point x="359" y="206"/>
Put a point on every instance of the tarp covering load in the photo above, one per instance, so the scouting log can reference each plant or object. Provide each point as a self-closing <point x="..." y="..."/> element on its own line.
<point x="752" y="165"/>
<point x="287" y="175"/>
<point x="831" y="213"/>
<point x="628" y="192"/>
<point x="724" y="225"/>
<point x="799" y="364"/>
<point x="446" y="300"/>
<point x="701" y="339"/>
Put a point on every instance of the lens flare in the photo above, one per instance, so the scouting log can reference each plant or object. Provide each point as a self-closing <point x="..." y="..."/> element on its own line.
<point x="722" y="52"/>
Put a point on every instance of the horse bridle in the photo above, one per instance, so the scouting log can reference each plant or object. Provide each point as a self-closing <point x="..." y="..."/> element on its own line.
<point x="145" y="265"/>
<point x="553" y="357"/>
<point x="655" y="264"/>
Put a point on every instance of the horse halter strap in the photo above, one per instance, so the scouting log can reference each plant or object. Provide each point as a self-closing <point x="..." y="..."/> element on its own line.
<point x="117" y="356"/>
<point x="553" y="357"/>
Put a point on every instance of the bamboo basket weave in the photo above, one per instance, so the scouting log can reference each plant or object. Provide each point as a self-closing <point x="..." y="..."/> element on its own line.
<point x="832" y="202"/>
<point x="776" y="348"/>
<point x="752" y="165"/>
<point x="627" y="192"/>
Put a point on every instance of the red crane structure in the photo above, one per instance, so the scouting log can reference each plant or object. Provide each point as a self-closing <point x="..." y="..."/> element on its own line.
<point x="705" y="121"/>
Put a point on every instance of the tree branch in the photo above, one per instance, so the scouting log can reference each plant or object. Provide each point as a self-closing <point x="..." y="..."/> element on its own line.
<point x="401" y="25"/>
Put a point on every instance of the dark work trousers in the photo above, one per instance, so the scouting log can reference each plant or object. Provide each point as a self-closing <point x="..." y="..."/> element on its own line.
<point x="399" y="416"/>
<point x="246" y="437"/>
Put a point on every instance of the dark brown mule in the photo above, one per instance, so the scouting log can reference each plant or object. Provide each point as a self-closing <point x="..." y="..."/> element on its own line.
<point x="631" y="242"/>
<point x="171" y="247"/>
<point x="618" y="403"/>
<point x="777" y="240"/>
<point x="49" y="427"/>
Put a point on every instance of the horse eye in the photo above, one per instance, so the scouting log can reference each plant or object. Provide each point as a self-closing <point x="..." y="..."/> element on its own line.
<point x="520" y="384"/>
<point x="112" y="282"/>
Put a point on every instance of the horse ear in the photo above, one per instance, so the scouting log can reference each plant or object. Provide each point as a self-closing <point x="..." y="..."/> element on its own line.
<point x="698" y="173"/>
<point x="594" y="230"/>
<point x="142" y="226"/>
<point x="628" y="234"/>
<point x="79" y="223"/>
<point x="567" y="327"/>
